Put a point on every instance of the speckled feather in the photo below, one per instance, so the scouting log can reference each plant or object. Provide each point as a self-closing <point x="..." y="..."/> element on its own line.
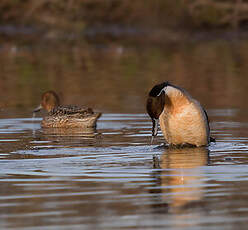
<point x="71" y="110"/>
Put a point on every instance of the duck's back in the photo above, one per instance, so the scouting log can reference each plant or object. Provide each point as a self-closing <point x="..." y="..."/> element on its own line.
<point x="69" y="110"/>
<point x="183" y="120"/>
<point x="70" y="116"/>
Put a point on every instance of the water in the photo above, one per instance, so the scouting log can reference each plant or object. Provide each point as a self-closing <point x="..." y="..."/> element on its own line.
<point x="114" y="178"/>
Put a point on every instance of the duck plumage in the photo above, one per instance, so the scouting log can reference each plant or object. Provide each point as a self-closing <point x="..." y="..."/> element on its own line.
<point x="182" y="119"/>
<point x="65" y="116"/>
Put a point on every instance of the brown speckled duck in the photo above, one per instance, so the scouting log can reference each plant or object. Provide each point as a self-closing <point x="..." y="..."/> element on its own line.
<point x="65" y="116"/>
<point x="182" y="119"/>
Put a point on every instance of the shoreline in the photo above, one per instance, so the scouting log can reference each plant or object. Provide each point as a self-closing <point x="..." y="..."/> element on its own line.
<point x="115" y="33"/>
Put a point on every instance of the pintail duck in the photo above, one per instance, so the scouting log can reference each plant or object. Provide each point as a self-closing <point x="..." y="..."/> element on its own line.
<point x="65" y="116"/>
<point x="183" y="121"/>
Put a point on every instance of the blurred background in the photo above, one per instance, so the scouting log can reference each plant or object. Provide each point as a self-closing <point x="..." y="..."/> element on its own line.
<point x="108" y="54"/>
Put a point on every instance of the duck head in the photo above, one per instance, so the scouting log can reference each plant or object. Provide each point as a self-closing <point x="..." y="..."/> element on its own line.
<point x="155" y="105"/>
<point x="49" y="101"/>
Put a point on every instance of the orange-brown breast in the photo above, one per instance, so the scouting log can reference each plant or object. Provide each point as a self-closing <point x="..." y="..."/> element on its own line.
<point x="182" y="120"/>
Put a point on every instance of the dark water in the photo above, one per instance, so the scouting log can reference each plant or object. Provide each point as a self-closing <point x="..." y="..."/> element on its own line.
<point x="113" y="178"/>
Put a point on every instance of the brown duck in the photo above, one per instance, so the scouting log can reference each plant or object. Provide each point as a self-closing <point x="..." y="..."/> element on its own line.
<point x="65" y="116"/>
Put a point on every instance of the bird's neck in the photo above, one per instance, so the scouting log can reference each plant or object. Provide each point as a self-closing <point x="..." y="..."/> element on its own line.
<point x="175" y="99"/>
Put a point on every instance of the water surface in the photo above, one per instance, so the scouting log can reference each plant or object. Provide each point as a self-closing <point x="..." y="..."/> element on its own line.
<point x="113" y="178"/>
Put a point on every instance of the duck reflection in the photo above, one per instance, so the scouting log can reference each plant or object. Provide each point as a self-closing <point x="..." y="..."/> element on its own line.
<point x="180" y="179"/>
<point x="87" y="132"/>
<point x="67" y="137"/>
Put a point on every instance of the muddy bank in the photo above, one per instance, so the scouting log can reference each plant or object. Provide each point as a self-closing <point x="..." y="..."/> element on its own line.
<point x="116" y="33"/>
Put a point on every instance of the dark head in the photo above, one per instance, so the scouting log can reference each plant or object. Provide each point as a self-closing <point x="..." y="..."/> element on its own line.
<point x="155" y="105"/>
<point x="49" y="101"/>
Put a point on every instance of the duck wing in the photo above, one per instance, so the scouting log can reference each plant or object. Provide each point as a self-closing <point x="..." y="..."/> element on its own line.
<point x="71" y="110"/>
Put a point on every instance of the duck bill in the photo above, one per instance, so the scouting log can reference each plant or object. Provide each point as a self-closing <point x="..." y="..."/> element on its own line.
<point x="37" y="109"/>
<point x="154" y="128"/>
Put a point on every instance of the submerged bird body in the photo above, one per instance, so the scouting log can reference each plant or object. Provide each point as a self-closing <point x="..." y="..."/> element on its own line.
<point x="182" y="119"/>
<point x="65" y="116"/>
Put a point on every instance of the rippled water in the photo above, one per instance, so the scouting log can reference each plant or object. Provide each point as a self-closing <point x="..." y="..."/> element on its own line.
<point x="114" y="178"/>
